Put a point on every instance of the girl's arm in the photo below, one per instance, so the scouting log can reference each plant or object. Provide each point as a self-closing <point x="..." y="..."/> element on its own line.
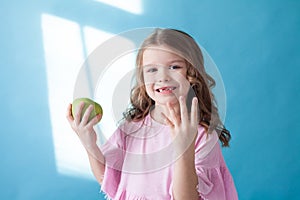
<point x="88" y="137"/>
<point x="97" y="163"/>
<point x="184" y="130"/>
<point x="185" y="179"/>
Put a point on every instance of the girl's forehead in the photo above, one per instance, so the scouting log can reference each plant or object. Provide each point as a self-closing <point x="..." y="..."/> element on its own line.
<point x="160" y="55"/>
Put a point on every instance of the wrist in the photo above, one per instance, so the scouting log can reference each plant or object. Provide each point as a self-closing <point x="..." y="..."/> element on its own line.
<point x="92" y="148"/>
<point x="189" y="154"/>
<point x="95" y="153"/>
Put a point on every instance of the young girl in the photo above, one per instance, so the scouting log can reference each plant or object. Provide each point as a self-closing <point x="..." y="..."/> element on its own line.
<point x="167" y="147"/>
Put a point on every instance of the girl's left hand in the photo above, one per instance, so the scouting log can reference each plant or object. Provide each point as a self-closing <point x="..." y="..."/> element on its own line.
<point x="183" y="128"/>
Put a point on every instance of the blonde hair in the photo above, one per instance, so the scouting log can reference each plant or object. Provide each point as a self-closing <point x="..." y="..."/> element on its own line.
<point x="201" y="83"/>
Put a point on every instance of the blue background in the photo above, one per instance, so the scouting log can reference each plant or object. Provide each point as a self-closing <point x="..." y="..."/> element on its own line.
<point x="255" y="44"/>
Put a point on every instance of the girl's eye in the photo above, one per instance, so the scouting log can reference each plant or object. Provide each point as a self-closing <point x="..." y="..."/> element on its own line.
<point x="152" y="70"/>
<point x="174" y="67"/>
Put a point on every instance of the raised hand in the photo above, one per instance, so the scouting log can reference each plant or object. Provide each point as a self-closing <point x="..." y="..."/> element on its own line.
<point x="88" y="137"/>
<point x="84" y="128"/>
<point x="184" y="128"/>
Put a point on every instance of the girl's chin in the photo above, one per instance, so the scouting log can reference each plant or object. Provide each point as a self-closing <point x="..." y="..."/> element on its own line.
<point x="172" y="101"/>
<point x="164" y="99"/>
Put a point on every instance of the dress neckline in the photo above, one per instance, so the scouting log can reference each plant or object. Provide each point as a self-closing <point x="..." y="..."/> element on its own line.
<point x="151" y="121"/>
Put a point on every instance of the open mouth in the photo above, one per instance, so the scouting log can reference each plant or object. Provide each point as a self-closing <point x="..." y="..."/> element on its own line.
<point x="165" y="89"/>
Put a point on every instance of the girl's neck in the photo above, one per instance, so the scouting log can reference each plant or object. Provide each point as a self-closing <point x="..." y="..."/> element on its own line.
<point x="156" y="112"/>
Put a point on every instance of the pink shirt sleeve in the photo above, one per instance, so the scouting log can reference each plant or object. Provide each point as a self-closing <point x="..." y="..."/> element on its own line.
<point x="214" y="179"/>
<point x="114" y="156"/>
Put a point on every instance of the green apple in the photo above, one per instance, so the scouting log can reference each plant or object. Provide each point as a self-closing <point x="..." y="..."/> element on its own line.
<point x="97" y="108"/>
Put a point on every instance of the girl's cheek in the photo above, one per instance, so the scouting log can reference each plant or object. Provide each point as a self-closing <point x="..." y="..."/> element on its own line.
<point x="148" y="87"/>
<point x="148" y="80"/>
<point x="146" y="77"/>
<point x="185" y="85"/>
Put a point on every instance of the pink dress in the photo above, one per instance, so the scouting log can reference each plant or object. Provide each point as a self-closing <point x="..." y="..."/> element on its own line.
<point x="140" y="159"/>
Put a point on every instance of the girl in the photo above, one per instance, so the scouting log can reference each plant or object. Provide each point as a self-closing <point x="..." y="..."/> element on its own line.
<point x="163" y="150"/>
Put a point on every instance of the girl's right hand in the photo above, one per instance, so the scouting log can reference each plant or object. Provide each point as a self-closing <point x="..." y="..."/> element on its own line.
<point x="84" y="128"/>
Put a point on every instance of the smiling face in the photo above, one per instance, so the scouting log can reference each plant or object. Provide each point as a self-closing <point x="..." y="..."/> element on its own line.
<point x="164" y="75"/>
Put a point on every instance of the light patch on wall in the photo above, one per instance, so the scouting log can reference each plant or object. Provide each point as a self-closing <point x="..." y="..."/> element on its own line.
<point x="93" y="38"/>
<point x="132" y="6"/>
<point x="66" y="47"/>
<point x="111" y="75"/>
<point x="63" y="55"/>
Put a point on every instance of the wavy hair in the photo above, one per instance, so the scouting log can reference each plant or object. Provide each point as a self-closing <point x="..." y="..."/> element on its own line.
<point x="201" y="83"/>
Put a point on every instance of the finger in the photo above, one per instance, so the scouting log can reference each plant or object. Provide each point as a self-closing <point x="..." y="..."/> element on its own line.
<point x="69" y="111"/>
<point x="77" y="117"/>
<point x="170" y="124"/>
<point x="167" y="120"/>
<point x="194" y="111"/>
<point x="95" y="120"/>
<point x="87" y="114"/>
<point x="175" y="118"/>
<point x="183" y="109"/>
<point x="69" y="115"/>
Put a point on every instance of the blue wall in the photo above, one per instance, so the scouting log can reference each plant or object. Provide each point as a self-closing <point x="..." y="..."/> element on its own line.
<point x="255" y="44"/>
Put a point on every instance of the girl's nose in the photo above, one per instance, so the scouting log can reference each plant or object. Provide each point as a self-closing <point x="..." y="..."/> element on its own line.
<point x="163" y="76"/>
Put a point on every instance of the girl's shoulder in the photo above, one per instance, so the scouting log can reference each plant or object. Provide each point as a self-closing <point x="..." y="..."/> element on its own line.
<point x="128" y="127"/>
<point x="205" y="142"/>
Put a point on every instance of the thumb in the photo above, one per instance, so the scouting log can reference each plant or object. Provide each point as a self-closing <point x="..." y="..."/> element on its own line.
<point x="169" y="123"/>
